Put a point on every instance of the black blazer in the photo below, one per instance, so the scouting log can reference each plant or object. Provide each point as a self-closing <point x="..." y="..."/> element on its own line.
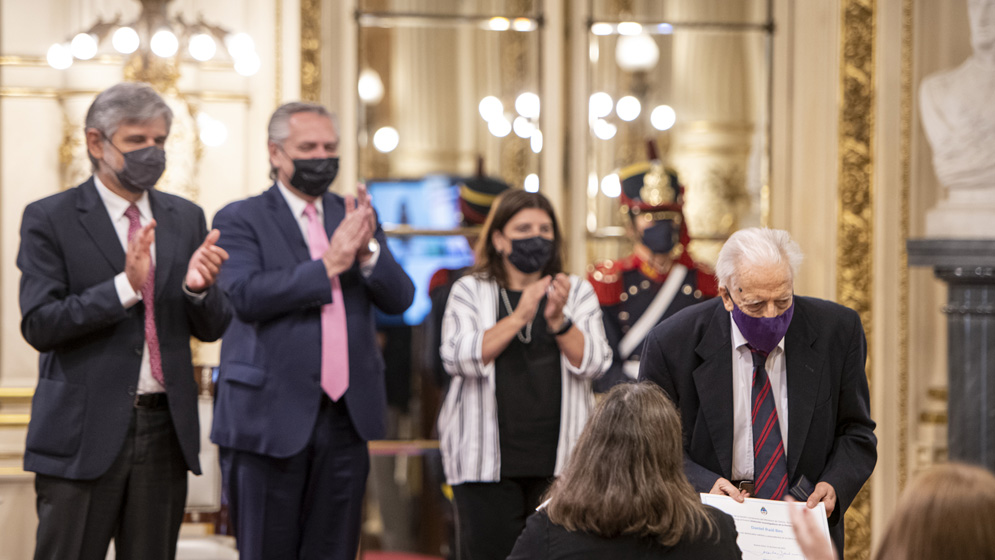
<point x="91" y="346"/>
<point x="830" y="431"/>
<point x="545" y="540"/>
<point x="269" y="389"/>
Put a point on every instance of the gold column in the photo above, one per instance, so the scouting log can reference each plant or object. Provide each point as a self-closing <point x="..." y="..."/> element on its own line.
<point x="310" y="50"/>
<point x="856" y="204"/>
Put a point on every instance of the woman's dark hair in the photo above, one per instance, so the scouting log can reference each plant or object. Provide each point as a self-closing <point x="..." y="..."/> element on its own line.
<point x="489" y="262"/>
<point x="626" y="474"/>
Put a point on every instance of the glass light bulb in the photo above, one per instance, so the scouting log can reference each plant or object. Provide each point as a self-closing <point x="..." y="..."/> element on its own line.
<point x="535" y="141"/>
<point x="604" y="129"/>
<point x="628" y="108"/>
<point x="212" y="131"/>
<point x="370" y="86"/>
<point x="636" y="52"/>
<point x="527" y="105"/>
<point x="59" y="56"/>
<point x="164" y="43"/>
<point x="499" y="127"/>
<point x="663" y="117"/>
<point x="629" y="28"/>
<point x="84" y="46"/>
<point x="491" y="108"/>
<point x="600" y="105"/>
<point x="602" y="29"/>
<point x="125" y="40"/>
<point x="248" y="64"/>
<point x="531" y="183"/>
<point x="611" y="186"/>
<point x="522" y="127"/>
<point x="239" y="44"/>
<point x="498" y="24"/>
<point x="202" y="47"/>
<point x="386" y="139"/>
<point x="523" y="24"/>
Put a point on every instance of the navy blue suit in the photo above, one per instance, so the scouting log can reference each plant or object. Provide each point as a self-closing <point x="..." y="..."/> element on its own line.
<point x="270" y="408"/>
<point x="830" y="431"/>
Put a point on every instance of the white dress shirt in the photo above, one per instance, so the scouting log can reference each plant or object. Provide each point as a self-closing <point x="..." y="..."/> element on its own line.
<point x="742" y="397"/>
<point x="116" y="207"/>
<point x="297" y="206"/>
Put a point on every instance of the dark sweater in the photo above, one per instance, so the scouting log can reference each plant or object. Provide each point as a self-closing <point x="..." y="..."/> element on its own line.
<point x="544" y="539"/>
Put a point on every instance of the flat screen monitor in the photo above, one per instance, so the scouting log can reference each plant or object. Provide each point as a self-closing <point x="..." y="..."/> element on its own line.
<point x="431" y="203"/>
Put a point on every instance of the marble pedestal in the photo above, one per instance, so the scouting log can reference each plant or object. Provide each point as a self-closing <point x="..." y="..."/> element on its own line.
<point x="967" y="266"/>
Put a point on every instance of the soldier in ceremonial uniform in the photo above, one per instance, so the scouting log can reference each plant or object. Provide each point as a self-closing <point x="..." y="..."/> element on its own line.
<point x="658" y="279"/>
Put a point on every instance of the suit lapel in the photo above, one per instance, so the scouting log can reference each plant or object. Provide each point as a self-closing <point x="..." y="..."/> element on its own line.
<point x="167" y="227"/>
<point x="94" y="219"/>
<point x="287" y="223"/>
<point x="713" y="381"/>
<point x="803" y="371"/>
<point x="334" y="210"/>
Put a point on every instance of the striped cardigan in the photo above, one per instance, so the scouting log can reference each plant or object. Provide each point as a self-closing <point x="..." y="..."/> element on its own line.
<point x="468" y="422"/>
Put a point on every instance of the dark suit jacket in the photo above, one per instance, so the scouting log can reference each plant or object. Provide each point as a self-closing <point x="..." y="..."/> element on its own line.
<point x="830" y="431"/>
<point x="269" y="388"/>
<point x="544" y="540"/>
<point x="91" y="346"/>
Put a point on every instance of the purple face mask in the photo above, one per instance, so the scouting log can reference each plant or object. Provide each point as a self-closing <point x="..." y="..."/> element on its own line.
<point x="763" y="333"/>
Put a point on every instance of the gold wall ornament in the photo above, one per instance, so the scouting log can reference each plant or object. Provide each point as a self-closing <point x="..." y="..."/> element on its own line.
<point x="905" y="157"/>
<point x="854" y="279"/>
<point x="311" y="50"/>
<point x="161" y="73"/>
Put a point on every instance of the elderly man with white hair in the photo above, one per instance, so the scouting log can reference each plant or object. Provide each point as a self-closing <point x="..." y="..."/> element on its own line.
<point x="771" y="386"/>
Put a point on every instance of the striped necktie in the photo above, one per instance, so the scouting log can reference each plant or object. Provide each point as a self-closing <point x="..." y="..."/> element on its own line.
<point x="770" y="468"/>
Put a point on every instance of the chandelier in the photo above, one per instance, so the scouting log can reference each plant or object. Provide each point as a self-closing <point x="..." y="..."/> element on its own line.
<point x="157" y="43"/>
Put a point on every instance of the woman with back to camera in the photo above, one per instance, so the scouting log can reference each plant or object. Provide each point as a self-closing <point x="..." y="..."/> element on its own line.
<point x="624" y="493"/>
<point x="522" y="342"/>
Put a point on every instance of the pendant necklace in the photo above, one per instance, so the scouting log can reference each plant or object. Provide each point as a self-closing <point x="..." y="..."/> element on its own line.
<point x="528" y="326"/>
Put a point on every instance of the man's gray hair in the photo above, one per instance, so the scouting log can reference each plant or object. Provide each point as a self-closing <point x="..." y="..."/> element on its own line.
<point x="125" y="103"/>
<point x="756" y="247"/>
<point x="279" y="124"/>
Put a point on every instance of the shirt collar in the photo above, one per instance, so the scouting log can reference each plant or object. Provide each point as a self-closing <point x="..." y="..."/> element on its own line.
<point x="116" y="205"/>
<point x="739" y="341"/>
<point x="296" y="203"/>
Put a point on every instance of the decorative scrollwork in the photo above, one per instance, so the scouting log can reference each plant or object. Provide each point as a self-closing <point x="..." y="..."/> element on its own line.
<point x="855" y="225"/>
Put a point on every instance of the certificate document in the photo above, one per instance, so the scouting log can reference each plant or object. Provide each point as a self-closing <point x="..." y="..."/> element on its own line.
<point x="764" y="526"/>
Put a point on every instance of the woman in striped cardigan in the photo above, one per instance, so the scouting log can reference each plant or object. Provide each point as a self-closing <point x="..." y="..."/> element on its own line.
<point x="522" y="342"/>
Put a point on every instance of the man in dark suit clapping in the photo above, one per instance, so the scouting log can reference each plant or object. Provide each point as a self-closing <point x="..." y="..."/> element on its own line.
<point x="771" y="386"/>
<point x="301" y="387"/>
<point x="116" y="278"/>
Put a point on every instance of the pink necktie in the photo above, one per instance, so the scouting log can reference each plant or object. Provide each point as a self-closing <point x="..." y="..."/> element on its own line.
<point x="334" y="333"/>
<point x="148" y="297"/>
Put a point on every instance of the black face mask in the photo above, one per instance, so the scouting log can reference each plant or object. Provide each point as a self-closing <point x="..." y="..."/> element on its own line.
<point x="531" y="254"/>
<point x="142" y="168"/>
<point x="313" y="176"/>
<point x="660" y="237"/>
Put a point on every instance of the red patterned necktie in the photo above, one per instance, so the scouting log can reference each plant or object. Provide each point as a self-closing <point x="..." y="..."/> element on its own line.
<point x="334" y="330"/>
<point x="770" y="469"/>
<point x="148" y="298"/>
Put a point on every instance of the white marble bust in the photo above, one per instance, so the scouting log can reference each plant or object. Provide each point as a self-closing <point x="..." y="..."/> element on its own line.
<point x="958" y="114"/>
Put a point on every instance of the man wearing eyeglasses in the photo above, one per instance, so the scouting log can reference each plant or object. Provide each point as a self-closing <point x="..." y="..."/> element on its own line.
<point x="658" y="279"/>
<point x="771" y="385"/>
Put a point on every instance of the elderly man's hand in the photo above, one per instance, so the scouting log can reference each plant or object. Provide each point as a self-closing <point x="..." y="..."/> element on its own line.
<point x="825" y="493"/>
<point x="726" y="488"/>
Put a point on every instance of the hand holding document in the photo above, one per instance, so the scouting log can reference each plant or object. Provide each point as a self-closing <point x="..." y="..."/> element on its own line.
<point x="764" y="526"/>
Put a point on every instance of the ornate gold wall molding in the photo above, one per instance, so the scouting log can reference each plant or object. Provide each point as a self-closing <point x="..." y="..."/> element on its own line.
<point x="854" y="277"/>
<point x="905" y="156"/>
<point x="310" y="50"/>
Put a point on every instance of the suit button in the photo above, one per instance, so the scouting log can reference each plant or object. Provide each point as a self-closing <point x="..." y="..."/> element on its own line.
<point x="132" y="391"/>
<point x="138" y="350"/>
